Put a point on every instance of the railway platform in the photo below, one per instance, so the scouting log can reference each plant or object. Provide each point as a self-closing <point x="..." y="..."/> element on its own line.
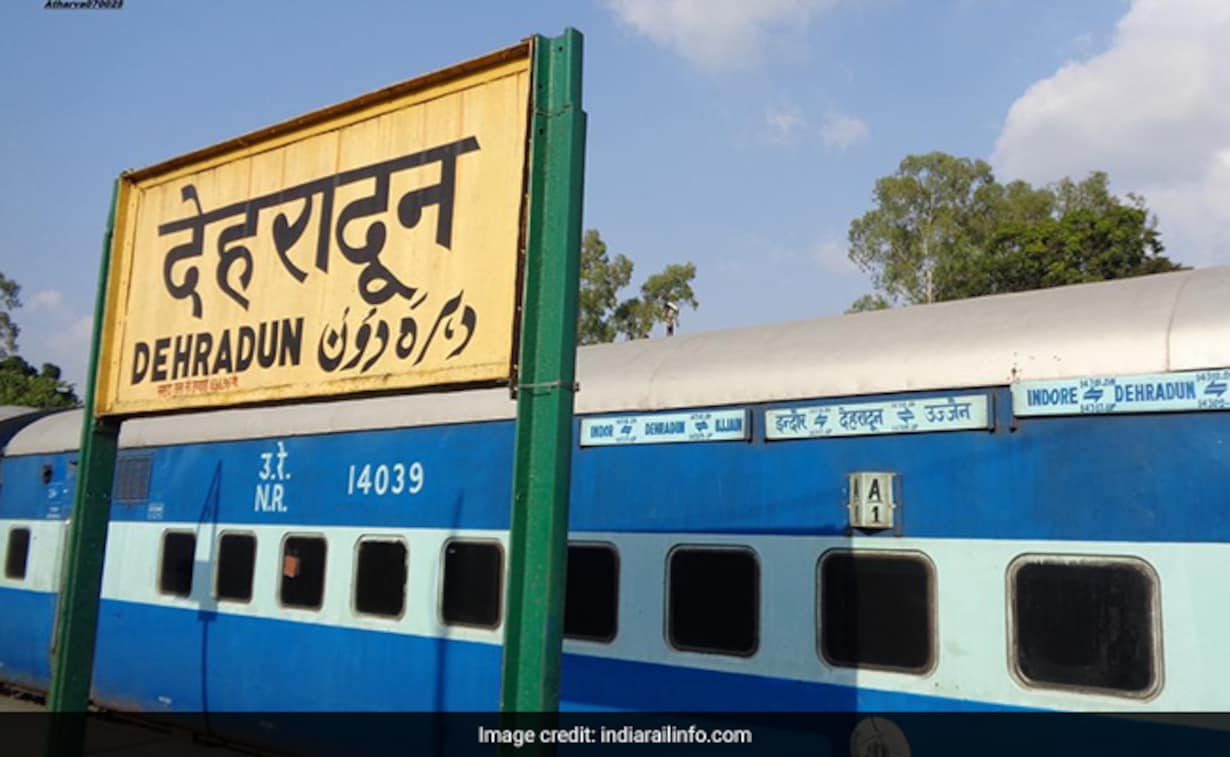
<point x="23" y="732"/>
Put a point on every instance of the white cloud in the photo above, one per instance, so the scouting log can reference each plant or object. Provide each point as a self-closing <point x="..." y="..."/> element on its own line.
<point x="783" y="121"/>
<point x="69" y="347"/>
<point x="759" y="252"/>
<point x="54" y="332"/>
<point x="717" y="34"/>
<point x="841" y="130"/>
<point x="46" y="298"/>
<point x="73" y="338"/>
<point x="1151" y="111"/>
<point x="1082" y="44"/>
<point x="834" y="258"/>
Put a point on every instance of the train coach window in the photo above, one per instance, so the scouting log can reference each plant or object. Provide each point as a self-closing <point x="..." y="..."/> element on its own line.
<point x="380" y="578"/>
<point x="713" y="600"/>
<point x="236" y="566"/>
<point x="178" y="557"/>
<point x="875" y="610"/>
<point x="303" y="572"/>
<point x="473" y="577"/>
<point x="591" y="598"/>
<point x="132" y="478"/>
<point x="18" y="554"/>
<point x="1085" y="622"/>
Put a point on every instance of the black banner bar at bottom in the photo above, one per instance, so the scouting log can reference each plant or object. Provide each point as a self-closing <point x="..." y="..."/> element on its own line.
<point x="583" y="734"/>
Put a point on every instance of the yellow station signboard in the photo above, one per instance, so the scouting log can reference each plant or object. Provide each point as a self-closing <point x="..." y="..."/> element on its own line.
<point x="373" y="245"/>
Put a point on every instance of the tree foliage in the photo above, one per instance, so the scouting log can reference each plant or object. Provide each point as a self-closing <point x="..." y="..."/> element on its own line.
<point x="20" y="383"/>
<point x="869" y="302"/>
<point x="10" y="300"/>
<point x="1081" y="246"/>
<point x="943" y="228"/>
<point x="926" y="213"/>
<point x="603" y="316"/>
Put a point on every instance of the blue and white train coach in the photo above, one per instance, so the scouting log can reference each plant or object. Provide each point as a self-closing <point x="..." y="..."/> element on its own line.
<point x="1014" y="501"/>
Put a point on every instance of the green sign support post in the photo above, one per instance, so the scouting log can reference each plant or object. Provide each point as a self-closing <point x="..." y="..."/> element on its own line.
<point x="546" y="383"/>
<point x="538" y="537"/>
<point x="72" y="661"/>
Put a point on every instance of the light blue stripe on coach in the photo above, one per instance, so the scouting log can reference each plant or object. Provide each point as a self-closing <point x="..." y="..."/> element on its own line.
<point x="662" y="428"/>
<point x="950" y="413"/>
<point x="1145" y="393"/>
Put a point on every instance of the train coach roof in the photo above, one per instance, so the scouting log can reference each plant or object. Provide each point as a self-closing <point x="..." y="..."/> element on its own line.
<point x="9" y="412"/>
<point x="15" y="417"/>
<point x="1169" y="322"/>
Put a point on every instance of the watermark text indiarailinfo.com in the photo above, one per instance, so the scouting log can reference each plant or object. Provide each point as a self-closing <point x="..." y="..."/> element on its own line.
<point x="583" y="734"/>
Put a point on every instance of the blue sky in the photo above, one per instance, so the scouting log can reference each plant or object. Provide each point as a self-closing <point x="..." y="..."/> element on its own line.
<point x="742" y="136"/>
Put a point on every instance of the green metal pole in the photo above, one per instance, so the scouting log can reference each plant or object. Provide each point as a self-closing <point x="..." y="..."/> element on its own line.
<point x="72" y="661"/>
<point x="538" y="537"/>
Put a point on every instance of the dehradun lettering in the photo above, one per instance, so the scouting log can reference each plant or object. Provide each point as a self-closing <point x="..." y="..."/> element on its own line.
<point x="1151" y="392"/>
<point x="270" y="344"/>
<point x="376" y="282"/>
<point x="660" y="428"/>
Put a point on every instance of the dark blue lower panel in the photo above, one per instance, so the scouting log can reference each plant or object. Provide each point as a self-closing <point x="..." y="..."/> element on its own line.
<point x="26" y="620"/>
<point x="595" y="683"/>
<point x="154" y="658"/>
<point x="165" y="659"/>
<point x="158" y="658"/>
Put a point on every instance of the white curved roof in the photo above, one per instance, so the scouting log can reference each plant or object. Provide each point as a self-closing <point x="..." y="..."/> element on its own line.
<point x="52" y="433"/>
<point x="8" y="412"/>
<point x="1152" y="324"/>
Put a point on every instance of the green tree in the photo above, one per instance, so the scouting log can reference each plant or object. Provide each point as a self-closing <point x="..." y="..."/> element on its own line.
<point x="20" y="384"/>
<point x="943" y="228"/>
<point x="926" y="213"/>
<point x="671" y="287"/>
<point x="869" y="302"/>
<point x="601" y="280"/>
<point x="1093" y="193"/>
<point x="1081" y="246"/>
<point x="10" y="300"/>
<point x="603" y="317"/>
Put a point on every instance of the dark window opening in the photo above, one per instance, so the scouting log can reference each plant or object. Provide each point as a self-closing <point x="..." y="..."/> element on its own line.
<point x="303" y="572"/>
<point x="714" y="601"/>
<point x="591" y="597"/>
<point x="380" y="581"/>
<point x="178" y="557"/>
<point x="1085" y="624"/>
<point x="875" y="611"/>
<point x="132" y="478"/>
<point x="47" y="473"/>
<point x="18" y="554"/>
<point x="473" y="577"/>
<point x="236" y="567"/>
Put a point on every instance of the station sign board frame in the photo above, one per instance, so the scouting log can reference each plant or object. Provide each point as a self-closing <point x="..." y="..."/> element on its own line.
<point x="372" y="246"/>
